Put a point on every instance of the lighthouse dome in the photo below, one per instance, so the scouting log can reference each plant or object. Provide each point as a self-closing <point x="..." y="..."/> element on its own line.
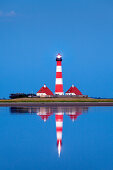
<point x="59" y="57"/>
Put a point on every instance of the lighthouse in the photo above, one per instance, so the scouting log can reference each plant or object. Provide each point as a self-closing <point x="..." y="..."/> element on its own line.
<point x="59" y="80"/>
<point x="59" y="126"/>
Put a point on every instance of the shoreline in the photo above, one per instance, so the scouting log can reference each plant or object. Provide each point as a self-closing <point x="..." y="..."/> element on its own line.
<point x="11" y="104"/>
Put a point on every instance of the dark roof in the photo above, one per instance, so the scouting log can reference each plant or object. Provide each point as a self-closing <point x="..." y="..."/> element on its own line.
<point x="46" y="90"/>
<point x="73" y="89"/>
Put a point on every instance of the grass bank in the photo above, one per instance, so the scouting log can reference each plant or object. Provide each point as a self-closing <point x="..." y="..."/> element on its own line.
<point x="55" y="100"/>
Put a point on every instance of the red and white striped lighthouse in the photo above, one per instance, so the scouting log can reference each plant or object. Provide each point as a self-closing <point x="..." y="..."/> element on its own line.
<point x="59" y="80"/>
<point x="59" y="126"/>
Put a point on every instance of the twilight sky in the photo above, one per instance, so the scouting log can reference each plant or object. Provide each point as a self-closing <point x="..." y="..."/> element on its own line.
<point x="33" y="32"/>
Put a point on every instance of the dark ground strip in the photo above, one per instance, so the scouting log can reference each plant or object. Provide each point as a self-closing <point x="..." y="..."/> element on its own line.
<point x="56" y="104"/>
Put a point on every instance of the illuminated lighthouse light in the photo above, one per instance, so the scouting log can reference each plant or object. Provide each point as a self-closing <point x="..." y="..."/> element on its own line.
<point x="58" y="56"/>
<point x="59" y="80"/>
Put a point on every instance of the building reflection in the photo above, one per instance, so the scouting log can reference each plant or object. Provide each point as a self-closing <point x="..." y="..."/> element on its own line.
<point x="45" y="112"/>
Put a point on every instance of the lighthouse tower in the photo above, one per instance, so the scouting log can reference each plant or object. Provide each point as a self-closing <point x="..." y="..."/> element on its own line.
<point x="59" y="81"/>
<point x="59" y="126"/>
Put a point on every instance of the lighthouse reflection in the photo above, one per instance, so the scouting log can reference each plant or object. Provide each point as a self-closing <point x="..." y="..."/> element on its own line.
<point x="45" y="112"/>
<point x="59" y="126"/>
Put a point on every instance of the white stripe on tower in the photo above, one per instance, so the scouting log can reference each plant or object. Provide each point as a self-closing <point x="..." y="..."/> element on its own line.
<point x="59" y="81"/>
<point x="59" y="69"/>
<point x="59" y="126"/>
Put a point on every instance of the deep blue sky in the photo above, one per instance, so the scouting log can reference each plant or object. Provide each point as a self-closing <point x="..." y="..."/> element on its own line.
<point x="33" y="32"/>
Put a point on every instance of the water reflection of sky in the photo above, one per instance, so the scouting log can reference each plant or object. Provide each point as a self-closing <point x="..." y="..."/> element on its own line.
<point x="35" y="137"/>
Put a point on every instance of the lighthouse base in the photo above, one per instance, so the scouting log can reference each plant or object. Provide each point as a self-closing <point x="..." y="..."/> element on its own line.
<point x="58" y="93"/>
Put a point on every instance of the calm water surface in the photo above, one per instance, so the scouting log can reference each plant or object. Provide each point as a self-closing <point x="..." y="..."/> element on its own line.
<point x="38" y="138"/>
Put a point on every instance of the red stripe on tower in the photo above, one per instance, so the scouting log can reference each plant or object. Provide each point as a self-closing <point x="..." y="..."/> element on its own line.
<point x="59" y="126"/>
<point x="59" y="80"/>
